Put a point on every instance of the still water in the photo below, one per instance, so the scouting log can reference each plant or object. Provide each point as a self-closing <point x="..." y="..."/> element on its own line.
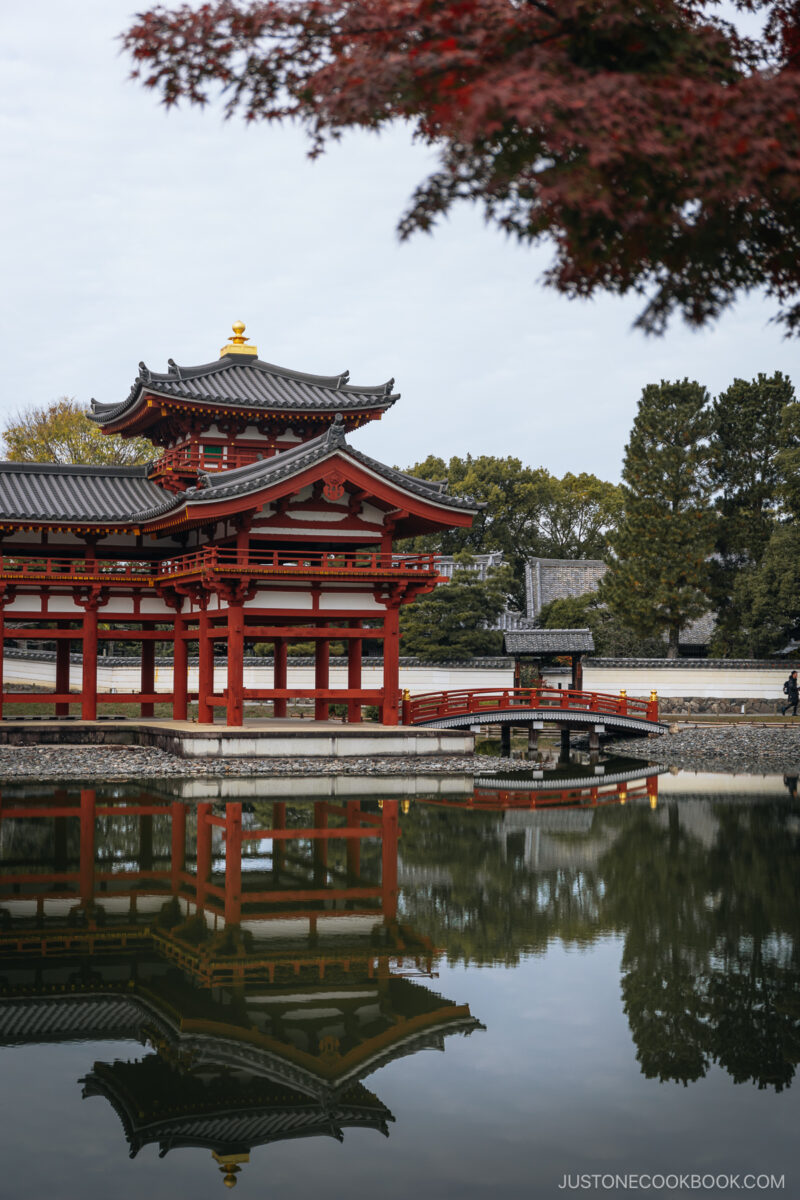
<point x="495" y="990"/>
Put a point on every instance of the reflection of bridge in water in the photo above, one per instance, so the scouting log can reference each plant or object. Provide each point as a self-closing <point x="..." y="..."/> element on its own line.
<point x="257" y="953"/>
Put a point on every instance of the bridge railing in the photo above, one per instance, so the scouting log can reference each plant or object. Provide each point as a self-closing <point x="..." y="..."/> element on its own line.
<point x="435" y="706"/>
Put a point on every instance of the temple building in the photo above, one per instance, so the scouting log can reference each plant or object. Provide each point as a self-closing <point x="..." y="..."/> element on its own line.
<point x="257" y="522"/>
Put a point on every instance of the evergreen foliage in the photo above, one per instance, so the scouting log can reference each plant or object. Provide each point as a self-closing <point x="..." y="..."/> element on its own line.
<point x="658" y="577"/>
<point x="528" y="513"/>
<point x="750" y="422"/>
<point x="612" y="639"/>
<point x="454" y="621"/>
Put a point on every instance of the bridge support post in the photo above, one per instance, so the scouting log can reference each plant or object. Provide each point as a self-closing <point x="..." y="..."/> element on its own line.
<point x="533" y="740"/>
<point x="505" y="740"/>
<point x="594" y="746"/>
<point x="564" y="756"/>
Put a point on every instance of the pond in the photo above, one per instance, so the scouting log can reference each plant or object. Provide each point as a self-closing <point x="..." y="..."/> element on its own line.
<point x="527" y="988"/>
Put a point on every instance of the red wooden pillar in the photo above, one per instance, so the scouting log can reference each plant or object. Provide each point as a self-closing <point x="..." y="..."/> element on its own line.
<point x="354" y="653"/>
<point x="148" y="676"/>
<point x="180" y="671"/>
<point x="391" y="667"/>
<point x="233" y="864"/>
<point x="62" y="671"/>
<point x="235" y="708"/>
<point x="205" y="669"/>
<point x="322" y="659"/>
<point x="86" y="851"/>
<point x="390" y="831"/>
<point x="89" y="680"/>
<point x="178" y="863"/>
<point x="280" y="676"/>
<point x="2" y="654"/>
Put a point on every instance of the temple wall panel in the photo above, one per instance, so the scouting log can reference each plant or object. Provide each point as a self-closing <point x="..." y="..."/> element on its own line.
<point x="281" y="600"/>
<point x="351" y="601"/>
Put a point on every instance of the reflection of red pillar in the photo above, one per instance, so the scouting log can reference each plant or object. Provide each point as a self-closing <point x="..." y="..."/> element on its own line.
<point x="178" y="843"/>
<point x="322" y="658"/>
<point x="62" y="671"/>
<point x="148" y="676"/>
<point x="354" y="650"/>
<point x="233" y="864"/>
<point x="279" y="676"/>
<point x="391" y="666"/>
<point x="180" y="671"/>
<point x="390" y="833"/>
<point x="278" y="847"/>
<point x="353" y="811"/>
<point x="89" y="681"/>
<point x="235" y="708"/>
<point x="205" y="669"/>
<point x="203" y="861"/>
<point x="86" y="867"/>
<point x="320" y="844"/>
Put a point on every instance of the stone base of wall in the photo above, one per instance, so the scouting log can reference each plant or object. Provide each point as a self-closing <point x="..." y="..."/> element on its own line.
<point x="692" y="705"/>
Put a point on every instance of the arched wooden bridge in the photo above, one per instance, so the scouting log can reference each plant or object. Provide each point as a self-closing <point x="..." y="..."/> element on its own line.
<point x="537" y="708"/>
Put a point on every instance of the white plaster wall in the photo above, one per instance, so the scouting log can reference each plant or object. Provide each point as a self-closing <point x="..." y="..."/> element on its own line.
<point x="763" y="683"/>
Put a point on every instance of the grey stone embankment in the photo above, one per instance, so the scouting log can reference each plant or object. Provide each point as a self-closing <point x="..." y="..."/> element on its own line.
<point x="115" y="763"/>
<point x="735" y="749"/>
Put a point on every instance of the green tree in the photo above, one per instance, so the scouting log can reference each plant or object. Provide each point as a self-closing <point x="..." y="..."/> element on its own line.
<point x="768" y="596"/>
<point x="658" y="577"/>
<point x="749" y="434"/>
<point x="454" y="621"/>
<point x="62" y="433"/>
<point x="528" y="512"/>
<point x="611" y="638"/>
<point x="577" y="516"/>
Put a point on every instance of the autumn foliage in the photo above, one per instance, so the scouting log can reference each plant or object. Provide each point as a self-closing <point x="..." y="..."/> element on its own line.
<point x="655" y="146"/>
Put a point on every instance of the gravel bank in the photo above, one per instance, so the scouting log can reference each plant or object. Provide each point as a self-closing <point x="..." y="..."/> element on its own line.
<point x="736" y="749"/>
<point x="114" y="763"/>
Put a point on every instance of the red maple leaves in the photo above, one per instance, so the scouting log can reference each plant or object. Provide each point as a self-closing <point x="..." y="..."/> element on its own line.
<point x="654" y="145"/>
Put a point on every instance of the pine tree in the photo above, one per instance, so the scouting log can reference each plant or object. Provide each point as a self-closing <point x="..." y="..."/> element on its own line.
<point x="749" y="432"/>
<point x="658" y="578"/>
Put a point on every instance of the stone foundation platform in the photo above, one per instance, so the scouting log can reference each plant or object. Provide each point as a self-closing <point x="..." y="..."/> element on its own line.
<point x="257" y="739"/>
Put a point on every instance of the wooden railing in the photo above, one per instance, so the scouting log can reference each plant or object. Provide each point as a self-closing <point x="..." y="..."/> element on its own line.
<point x="214" y="560"/>
<point x="434" y="706"/>
<point x="76" y="570"/>
<point x="192" y="458"/>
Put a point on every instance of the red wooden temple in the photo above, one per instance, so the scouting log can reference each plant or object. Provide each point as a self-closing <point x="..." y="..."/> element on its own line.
<point x="257" y="522"/>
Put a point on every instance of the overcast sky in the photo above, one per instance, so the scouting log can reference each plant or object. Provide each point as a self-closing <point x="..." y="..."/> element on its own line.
<point x="131" y="234"/>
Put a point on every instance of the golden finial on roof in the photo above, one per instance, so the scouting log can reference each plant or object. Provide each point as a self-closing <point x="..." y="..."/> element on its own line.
<point x="237" y="342"/>
<point x="230" y="1166"/>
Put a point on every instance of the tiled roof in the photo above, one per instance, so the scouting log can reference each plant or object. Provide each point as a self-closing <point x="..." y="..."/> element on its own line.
<point x="549" y="579"/>
<point x="549" y="641"/>
<point x="223" y="485"/>
<point x="47" y="492"/>
<point x="51" y="492"/>
<point x="245" y="382"/>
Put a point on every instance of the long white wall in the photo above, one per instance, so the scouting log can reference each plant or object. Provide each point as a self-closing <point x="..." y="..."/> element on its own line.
<point x="687" y="678"/>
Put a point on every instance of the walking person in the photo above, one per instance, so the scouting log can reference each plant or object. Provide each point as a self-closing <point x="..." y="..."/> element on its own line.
<point x="790" y="691"/>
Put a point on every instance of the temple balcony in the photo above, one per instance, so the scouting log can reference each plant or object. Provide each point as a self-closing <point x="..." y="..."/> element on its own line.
<point x="183" y="462"/>
<point x="109" y="572"/>
<point x="214" y="562"/>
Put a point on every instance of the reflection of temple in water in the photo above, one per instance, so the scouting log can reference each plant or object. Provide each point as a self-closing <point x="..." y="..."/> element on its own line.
<point x="254" y="949"/>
